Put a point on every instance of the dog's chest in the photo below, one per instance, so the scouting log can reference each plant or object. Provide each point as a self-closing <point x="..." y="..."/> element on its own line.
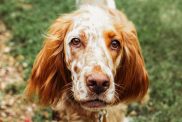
<point x="76" y="114"/>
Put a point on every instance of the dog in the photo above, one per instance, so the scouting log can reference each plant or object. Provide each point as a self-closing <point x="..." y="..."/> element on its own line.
<point x="90" y="66"/>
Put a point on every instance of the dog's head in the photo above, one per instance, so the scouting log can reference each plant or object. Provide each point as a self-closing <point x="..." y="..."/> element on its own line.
<point x="93" y="56"/>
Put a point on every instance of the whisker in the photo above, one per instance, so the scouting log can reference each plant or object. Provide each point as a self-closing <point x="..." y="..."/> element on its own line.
<point x="116" y="95"/>
<point x="69" y="94"/>
<point x="119" y="85"/>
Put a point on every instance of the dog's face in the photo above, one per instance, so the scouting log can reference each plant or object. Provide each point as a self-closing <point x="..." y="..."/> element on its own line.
<point x="98" y="49"/>
<point x="93" y="52"/>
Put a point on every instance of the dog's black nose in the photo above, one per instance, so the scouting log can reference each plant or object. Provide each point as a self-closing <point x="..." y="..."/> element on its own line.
<point x="97" y="83"/>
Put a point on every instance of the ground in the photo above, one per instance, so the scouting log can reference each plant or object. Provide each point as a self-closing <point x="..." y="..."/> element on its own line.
<point x="12" y="106"/>
<point x="23" y="24"/>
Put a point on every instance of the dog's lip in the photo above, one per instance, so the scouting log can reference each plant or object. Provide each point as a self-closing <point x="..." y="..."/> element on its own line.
<point x="94" y="103"/>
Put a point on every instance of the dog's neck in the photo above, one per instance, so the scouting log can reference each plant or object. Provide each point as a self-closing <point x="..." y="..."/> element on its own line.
<point x="70" y="110"/>
<point x="77" y="109"/>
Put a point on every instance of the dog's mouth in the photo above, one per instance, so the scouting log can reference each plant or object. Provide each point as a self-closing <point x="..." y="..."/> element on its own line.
<point x="93" y="104"/>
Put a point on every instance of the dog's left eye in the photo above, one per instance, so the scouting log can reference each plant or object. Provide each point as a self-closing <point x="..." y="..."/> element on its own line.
<point x="115" y="44"/>
<point x="76" y="42"/>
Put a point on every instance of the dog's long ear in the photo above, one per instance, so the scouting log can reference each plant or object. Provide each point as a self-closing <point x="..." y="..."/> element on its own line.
<point x="49" y="74"/>
<point x="131" y="73"/>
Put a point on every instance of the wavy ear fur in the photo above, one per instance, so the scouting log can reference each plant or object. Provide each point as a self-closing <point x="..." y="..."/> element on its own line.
<point x="49" y="74"/>
<point x="131" y="73"/>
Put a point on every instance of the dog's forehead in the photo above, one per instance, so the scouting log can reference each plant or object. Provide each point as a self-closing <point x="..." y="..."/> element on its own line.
<point x="93" y="17"/>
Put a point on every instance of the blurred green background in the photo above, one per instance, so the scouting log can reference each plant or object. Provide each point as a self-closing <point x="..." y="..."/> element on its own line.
<point x="159" y="26"/>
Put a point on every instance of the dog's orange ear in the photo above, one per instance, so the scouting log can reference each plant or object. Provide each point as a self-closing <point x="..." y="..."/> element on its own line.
<point x="131" y="73"/>
<point x="49" y="74"/>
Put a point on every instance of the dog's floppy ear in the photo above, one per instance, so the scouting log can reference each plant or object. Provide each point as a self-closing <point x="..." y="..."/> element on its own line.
<point x="131" y="73"/>
<point x="49" y="74"/>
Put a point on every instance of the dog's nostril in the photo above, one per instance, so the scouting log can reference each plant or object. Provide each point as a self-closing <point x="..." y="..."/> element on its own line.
<point x="92" y="83"/>
<point x="105" y="84"/>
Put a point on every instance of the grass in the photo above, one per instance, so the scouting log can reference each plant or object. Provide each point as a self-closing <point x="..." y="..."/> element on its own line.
<point x="159" y="29"/>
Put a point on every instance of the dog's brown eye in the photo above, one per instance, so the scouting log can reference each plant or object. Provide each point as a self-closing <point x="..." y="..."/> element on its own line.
<point x="115" y="44"/>
<point x="75" y="42"/>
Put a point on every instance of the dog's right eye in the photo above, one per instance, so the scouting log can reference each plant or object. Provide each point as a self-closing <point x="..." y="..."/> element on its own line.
<point x="76" y="42"/>
<point x="115" y="44"/>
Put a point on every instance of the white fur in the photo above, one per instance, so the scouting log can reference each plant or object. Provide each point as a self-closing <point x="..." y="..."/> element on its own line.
<point x="111" y="4"/>
<point x="93" y="23"/>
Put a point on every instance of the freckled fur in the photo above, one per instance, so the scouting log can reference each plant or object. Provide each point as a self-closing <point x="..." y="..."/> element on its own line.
<point x="56" y="81"/>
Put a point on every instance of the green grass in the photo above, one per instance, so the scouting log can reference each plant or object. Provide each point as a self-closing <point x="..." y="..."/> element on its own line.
<point x="159" y="25"/>
<point x="29" y="25"/>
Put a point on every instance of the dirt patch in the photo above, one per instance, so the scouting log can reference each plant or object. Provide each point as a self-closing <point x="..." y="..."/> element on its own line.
<point x="12" y="105"/>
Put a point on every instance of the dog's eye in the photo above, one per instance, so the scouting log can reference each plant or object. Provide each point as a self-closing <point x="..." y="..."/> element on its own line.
<point x="76" y="42"/>
<point x="115" y="44"/>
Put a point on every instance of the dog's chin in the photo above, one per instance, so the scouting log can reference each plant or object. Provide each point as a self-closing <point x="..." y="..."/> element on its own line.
<point x="93" y="105"/>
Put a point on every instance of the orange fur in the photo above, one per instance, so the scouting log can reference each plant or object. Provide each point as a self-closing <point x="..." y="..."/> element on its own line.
<point x="131" y="73"/>
<point x="50" y="78"/>
<point x="49" y="74"/>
